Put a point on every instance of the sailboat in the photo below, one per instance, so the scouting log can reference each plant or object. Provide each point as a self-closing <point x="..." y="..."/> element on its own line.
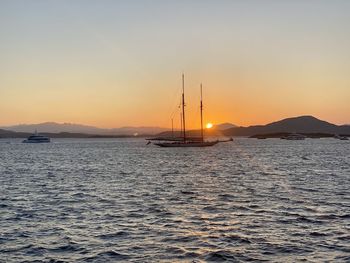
<point x="185" y="141"/>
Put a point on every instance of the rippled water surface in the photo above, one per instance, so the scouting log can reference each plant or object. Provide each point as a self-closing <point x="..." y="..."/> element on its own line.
<point x="108" y="200"/>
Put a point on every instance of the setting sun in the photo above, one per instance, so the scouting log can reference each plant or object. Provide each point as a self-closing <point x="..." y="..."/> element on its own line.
<point x="209" y="125"/>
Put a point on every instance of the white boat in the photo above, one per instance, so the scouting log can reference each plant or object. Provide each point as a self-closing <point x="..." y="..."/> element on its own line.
<point x="37" y="138"/>
<point x="294" y="137"/>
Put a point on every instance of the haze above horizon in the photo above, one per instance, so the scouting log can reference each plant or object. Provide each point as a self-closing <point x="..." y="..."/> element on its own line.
<point x="119" y="63"/>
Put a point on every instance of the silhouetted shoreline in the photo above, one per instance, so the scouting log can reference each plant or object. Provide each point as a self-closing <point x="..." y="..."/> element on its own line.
<point x="11" y="134"/>
<point x="306" y="125"/>
<point x="308" y="135"/>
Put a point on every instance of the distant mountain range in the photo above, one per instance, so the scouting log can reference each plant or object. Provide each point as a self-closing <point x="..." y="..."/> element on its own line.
<point x="53" y="127"/>
<point x="224" y="126"/>
<point x="13" y="134"/>
<point x="302" y="124"/>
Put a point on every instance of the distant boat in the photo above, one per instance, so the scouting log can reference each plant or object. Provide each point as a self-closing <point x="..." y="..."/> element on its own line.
<point x="342" y="138"/>
<point x="294" y="137"/>
<point x="184" y="140"/>
<point x="37" y="138"/>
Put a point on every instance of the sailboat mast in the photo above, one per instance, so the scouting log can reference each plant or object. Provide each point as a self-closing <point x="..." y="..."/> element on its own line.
<point x="202" y="134"/>
<point x="180" y="123"/>
<point x="183" y="107"/>
<point x="172" y="127"/>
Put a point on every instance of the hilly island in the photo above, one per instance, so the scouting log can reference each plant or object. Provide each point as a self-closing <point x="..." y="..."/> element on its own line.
<point x="307" y="125"/>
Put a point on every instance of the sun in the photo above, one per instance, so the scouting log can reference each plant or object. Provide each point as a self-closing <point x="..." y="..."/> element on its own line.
<point x="209" y="125"/>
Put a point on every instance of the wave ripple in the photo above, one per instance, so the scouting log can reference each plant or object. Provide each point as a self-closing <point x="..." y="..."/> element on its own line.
<point x="109" y="200"/>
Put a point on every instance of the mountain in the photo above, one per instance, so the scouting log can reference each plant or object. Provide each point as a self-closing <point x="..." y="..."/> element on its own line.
<point x="53" y="127"/>
<point x="224" y="126"/>
<point x="302" y="124"/>
<point x="137" y="130"/>
<point x="12" y="134"/>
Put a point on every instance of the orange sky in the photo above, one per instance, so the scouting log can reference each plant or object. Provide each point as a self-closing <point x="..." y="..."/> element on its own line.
<point x="120" y="64"/>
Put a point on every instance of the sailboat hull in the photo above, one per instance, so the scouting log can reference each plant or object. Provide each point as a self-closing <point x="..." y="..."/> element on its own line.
<point x="186" y="144"/>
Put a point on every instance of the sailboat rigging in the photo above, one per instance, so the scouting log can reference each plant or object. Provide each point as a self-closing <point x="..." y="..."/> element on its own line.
<point x="187" y="141"/>
<point x="202" y="133"/>
<point x="183" y="108"/>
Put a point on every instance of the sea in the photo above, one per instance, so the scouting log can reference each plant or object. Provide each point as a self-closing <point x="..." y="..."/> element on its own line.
<point x="110" y="200"/>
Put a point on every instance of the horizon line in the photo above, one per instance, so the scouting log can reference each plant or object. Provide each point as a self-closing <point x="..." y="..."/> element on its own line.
<point x="160" y="127"/>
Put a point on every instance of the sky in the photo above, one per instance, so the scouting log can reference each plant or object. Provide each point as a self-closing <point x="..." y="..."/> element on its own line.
<point x="119" y="63"/>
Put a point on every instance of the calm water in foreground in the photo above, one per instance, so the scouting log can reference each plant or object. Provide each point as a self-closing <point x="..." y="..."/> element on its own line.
<point x="108" y="200"/>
